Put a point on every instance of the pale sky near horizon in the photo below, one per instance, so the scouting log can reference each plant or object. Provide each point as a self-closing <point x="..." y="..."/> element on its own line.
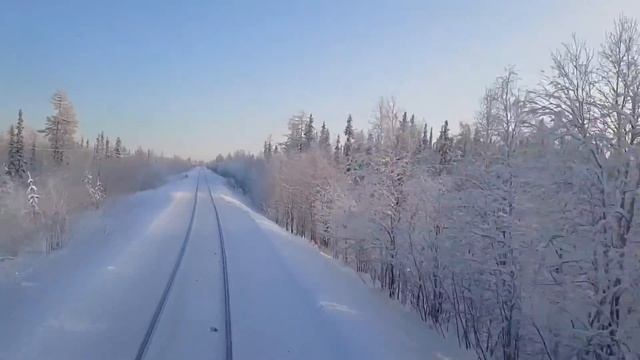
<point x="198" y="78"/>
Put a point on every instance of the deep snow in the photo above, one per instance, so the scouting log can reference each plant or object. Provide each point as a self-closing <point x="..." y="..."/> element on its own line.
<point x="94" y="299"/>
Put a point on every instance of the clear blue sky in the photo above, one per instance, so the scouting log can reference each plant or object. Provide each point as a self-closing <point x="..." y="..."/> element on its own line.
<point x="197" y="78"/>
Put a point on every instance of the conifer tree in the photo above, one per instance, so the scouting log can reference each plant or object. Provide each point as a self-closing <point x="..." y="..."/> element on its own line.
<point x="20" y="166"/>
<point x="117" y="150"/>
<point x="337" y="151"/>
<point x="404" y="123"/>
<point x="10" y="169"/>
<point x="444" y="144"/>
<point x="348" y="138"/>
<point x="402" y="137"/>
<point x="268" y="149"/>
<point x="60" y="128"/>
<point x="107" y="149"/>
<point x="325" y="139"/>
<point x="309" y="134"/>
<point x="424" y="142"/>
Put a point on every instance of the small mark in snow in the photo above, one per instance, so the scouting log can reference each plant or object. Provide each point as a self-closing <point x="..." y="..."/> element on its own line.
<point x="442" y="357"/>
<point x="111" y="268"/>
<point x="27" y="284"/>
<point x="336" y="307"/>
<point x="213" y="329"/>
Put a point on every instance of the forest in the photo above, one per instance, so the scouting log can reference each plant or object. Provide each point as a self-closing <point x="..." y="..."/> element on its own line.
<point x="50" y="173"/>
<point x="516" y="235"/>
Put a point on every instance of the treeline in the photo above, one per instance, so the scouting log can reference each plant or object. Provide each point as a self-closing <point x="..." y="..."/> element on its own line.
<point x="48" y="174"/>
<point x="517" y="235"/>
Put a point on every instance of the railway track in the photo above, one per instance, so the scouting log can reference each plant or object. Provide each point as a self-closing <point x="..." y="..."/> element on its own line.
<point x="157" y="314"/>
<point x="225" y="276"/>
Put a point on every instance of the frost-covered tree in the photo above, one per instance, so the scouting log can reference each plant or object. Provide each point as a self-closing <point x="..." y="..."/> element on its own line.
<point x="17" y="161"/>
<point x="516" y="235"/>
<point x="32" y="198"/>
<point x="117" y="149"/>
<point x="309" y="134"/>
<point x="267" y="150"/>
<point x="424" y="139"/>
<point x="60" y="127"/>
<point x="348" y="138"/>
<point x="444" y="145"/>
<point x="337" y="151"/>
<point x="294" y="142"/>
<point x="324" y="141"/>
<point x="108" y="152"/>
<point x="95" y="189"/>
<point x="9" y="169"/>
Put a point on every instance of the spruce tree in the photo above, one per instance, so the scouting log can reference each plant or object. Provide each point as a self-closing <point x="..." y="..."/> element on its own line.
<point x="444" y="144"/>
<point x="404" y="123"/>
<point x="19" y="158"/>
<point x="424" y="142"/>
<point x="348" y="138"/>
<point x="325" y="139"/>
<point x="117" y="150"/>
<point x="107" y="150"/>
<point x="10" y="168"/>
<point x="268" y="149"/>
<point x="309" y="134"/>
<point x="337" y="151"/>
<point x="98" y="147"/>
<point x="401" y="137"/>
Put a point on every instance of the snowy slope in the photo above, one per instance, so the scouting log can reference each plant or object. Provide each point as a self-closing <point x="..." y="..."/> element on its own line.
<point x="94" y="299"/>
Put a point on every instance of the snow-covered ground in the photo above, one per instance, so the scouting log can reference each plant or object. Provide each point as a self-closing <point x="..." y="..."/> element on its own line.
<point x="94" y="299"/>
